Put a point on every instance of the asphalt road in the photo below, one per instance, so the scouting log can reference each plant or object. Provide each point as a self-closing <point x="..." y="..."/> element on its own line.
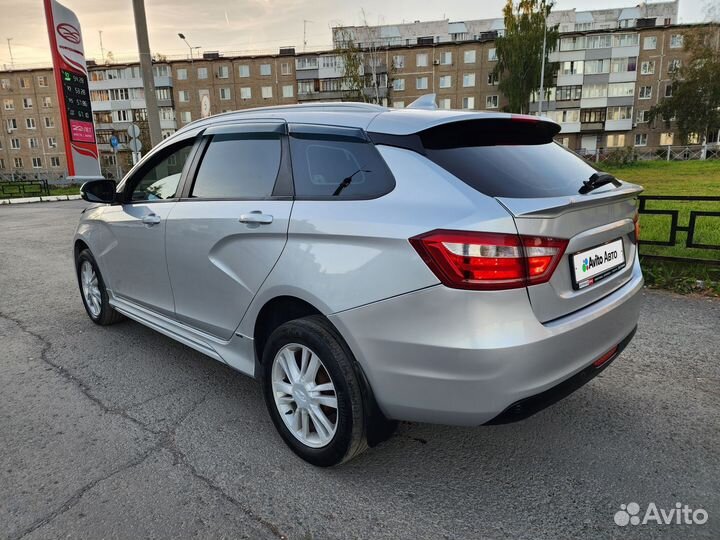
<point x="120" y="432"/>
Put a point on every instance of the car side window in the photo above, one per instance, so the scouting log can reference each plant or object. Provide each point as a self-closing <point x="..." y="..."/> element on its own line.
<point x="332" y="166"/>
<point x="160" y="181"/>
<point x="239" y="166"/>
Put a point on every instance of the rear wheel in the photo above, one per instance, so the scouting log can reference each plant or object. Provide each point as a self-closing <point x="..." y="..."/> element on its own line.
<point x="93" y="291"/>
<point x="313" y="393"/>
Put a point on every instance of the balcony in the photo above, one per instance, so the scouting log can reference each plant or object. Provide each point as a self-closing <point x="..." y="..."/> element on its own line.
<point x="586" y="127"/>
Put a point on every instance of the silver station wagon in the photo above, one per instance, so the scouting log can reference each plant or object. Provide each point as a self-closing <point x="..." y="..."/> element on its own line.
<point x="370" y="265"/>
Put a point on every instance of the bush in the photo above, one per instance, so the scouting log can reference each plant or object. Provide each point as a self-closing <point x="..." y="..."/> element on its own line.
<point x="621" y="156"/>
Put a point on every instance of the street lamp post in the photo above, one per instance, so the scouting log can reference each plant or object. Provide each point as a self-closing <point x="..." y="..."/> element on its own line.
<point x="542" y="70"/>
<point x="182" y="36"/>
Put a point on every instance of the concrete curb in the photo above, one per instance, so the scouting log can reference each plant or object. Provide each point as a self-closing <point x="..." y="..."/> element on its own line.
<point x="44" y="198"/>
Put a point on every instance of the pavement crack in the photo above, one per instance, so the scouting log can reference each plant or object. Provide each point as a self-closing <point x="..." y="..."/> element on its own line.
<point x="72" y="378"/>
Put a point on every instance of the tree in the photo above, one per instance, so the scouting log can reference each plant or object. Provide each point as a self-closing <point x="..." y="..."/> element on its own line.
<point x="519" y="51"/>
<point x="353" y="68"/>
<point x="695" y="100"/>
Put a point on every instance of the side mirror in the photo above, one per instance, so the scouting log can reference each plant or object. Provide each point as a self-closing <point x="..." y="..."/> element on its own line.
<point x="99" y="191"/>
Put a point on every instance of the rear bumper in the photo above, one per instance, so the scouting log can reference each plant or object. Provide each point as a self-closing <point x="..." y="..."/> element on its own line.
<point x="465" y="357"/>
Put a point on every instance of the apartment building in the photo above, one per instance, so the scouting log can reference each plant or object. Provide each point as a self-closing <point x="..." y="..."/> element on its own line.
<point x="118" y="100"/>
<point x="31" y="137"/>
<point x="215" y="84"/>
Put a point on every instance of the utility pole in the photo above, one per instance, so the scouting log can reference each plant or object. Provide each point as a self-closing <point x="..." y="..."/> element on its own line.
<point x="542" y="70"/>
<point x="151" y="105"/>
<point x="102" y="51"/>
<point x="12" y="61"/>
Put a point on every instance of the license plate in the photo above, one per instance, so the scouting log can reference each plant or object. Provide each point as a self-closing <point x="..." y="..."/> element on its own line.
<point x="595" y="264"/>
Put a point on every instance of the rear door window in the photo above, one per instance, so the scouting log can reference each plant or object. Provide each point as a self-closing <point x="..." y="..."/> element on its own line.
<point x="337" y="163"/>
<point x="239" y="166"/>
<point x="507" y="159"/>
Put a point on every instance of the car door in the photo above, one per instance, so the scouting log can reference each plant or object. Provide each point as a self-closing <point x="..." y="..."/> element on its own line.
<point x="136" y="256"/>
<point x="227" y="232"/>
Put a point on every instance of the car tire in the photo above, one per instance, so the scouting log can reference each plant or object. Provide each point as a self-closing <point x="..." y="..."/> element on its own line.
<point x="94" y="295"/>
<point x="311" y="440"/>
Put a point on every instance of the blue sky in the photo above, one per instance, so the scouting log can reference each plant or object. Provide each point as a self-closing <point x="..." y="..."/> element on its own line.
<point x="243" y="26"/>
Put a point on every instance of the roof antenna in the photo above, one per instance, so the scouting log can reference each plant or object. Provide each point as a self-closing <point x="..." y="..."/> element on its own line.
<point x="426" y="102"/>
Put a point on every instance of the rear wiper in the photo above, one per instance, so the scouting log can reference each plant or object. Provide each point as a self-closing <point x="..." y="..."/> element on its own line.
<point x="346" y="182"/>
<point x="597" y="180"/>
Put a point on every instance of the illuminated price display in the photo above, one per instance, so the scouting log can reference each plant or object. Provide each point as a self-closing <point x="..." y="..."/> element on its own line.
<point x="77" y="105"/>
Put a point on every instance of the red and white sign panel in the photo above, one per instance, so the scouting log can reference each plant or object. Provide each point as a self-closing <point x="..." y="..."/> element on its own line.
<point x="71" y="79"/>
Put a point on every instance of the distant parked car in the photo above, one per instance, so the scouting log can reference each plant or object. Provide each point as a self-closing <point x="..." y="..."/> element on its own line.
<point x="371" y="265"/>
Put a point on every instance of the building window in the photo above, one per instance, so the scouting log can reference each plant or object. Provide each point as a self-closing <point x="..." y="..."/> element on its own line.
<point x="491" y="102"/>
<point x="421" y="60"/>
<point x="641" y="139"/>
<point x="49" y="122"/>
<point x="244" y="70"/>
<point x="668" y="90"/>
<point x="52" y="142"/>
<point x="15" y="144"/>
<point x="572" y="43"/>
<point x="42" y="81"/>
<point x="568" y="93"/>
<point x="643" y="117"/>
<point x="117" y="94"/>
<point x="647" y="68"/>
<point x="446" y="58"/>
<point x="591" y="116"/>
<point x="202" y="73"/>
<point x="24" y="83"/>
<point x="676" y="41"/>
<point x="468" y="102"/>
<point x="265" y="69"/>
<point x="306" y="62"/>
<point x="603" y="41"/>
<point x="674" y="65"/>
<point x="181" y="74"/>
<point x="650" y="43"/>
<point x="492" y="78"/>
<point x="18" y="162"/>
<point x="625" y="40"/>
<point x="666" y="139"/>
<point x="645" y="92"/>
<point x="246" y="92"/>
<point x="306" y="87"/>
<point x="621" y="89"/>
<point x="285" y="68"/>
<point x="569" y="116"/>
<point x="287" y="91"/>
<point x="2" y="163"/>
<point x="620" y="113"/>
<point x="11" y="124"/>
<point x="468" y="80"/>
<point x="615" y="140"/>
<point x="421" y="83"/>
<point x="33" y="142"/>
<point x="398" y="85"/>
<point x="184" y="96"/>
<point x="224" y="94"/>
<point x="623" y="65"/>
<point x="445" y="81"/>
<point x="54" y="161"/>
<point x="594" y="91"/>
<point x="398" y="61"/>
<point x="492" y="54"/>
<point x="444" y="103"/>
<point x="573" y="67"/>
<point x="36" y="163"/>
<point x="185" y="117"/>
<point x="469" y="57"/>
<point x="47" y="102"/>
<point x="398" y="104"/>
<point x="4" y="84"/>
<point x="9" y="104"/>
<point x="266" y="92"/>
<point x="223" y="72"/>
<point x="593" y="67"/>
<point x="30" y="123"/>
<point x="27" y="103"/>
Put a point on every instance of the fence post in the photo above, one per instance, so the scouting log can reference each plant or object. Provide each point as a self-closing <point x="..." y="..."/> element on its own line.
<point x="668" y="153"/>
<point x="597" y="155"/>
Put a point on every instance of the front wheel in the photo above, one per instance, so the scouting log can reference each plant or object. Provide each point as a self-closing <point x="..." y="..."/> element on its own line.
<point x="312" y="392"/>
<point x="93" y="291"/>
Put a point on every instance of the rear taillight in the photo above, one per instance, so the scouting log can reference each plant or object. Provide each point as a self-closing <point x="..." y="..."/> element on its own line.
<point x="489" y="261"/>
<point x="636" y="222"/>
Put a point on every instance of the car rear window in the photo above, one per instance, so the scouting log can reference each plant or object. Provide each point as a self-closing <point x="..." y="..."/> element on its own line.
<point x="507" y="158"/>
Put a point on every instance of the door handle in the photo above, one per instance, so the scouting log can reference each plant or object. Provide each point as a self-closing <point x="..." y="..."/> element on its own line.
<point x="256" y="217"/>
<point x="151" y="219"/>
